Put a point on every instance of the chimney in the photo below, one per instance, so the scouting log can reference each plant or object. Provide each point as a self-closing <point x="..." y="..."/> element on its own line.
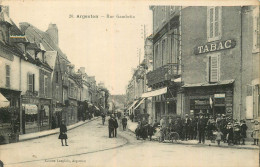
<point x="82" y="70"/>
<point x="53" y="32"/>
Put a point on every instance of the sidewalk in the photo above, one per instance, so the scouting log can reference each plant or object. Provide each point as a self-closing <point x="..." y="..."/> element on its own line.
<point x="133" y="125"/>
<point x="36" y="135"/>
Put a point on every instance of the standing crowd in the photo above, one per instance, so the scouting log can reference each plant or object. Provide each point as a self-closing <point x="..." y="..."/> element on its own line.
<point x="203" y="127"/>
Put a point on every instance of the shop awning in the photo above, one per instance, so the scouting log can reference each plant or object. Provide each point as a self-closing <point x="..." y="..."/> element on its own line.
<point x="3" y="101"/>
<point x="132" y="105"/>
<point x="30" y="109"/>
<point x="140" y="102"/>
<point x="225" y="82"/>
<point x="155" y="92"/>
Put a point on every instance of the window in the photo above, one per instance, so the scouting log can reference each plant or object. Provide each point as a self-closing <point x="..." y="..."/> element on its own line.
<point x="156" y="52"/>
<point x="164" y="10"/>
<point x="256" y="31"/>
<point x="164" y="51"/>
<point x="214" y="68"/>
<point x="174" y="47"/>
<point x="7" y="76"/>
<point x="31" y="82"/>
<point x="57" y="77"/>
<point x="46" y="81"/>
<point x="214" y="23"/>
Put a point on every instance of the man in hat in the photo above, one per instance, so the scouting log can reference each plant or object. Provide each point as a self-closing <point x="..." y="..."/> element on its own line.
<point x="110" y="126"/>
<point x="243" y="128"/>
<point x="115" y="125"/>
<point x="186" y="125"/>
<point x="124" y="122"/>
<point x="201" y="127"/>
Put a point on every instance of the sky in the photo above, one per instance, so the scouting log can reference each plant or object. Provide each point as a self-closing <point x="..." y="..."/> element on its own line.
<point x="106" y="47"/>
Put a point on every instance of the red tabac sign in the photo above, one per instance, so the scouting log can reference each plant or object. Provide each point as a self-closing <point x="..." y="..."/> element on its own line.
<point x="215" y="46"/>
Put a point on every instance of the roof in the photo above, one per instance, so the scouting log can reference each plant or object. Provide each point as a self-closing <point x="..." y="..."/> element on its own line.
<point x="225" y="82"/>
<point x="41" y="38"/>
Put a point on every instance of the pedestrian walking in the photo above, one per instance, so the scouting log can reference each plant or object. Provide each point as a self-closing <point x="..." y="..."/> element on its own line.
<point x="103" y="118"/>
<point x="243" y="128"/>
<point x="255" y="133"/>
<point x="237" y="133"/>
<point x="63" y="133"/>
<point x="111" y="127"/>
<point x="201" y="128"/>
<point x="124" y="122"/>
<point x="115" y="126"/>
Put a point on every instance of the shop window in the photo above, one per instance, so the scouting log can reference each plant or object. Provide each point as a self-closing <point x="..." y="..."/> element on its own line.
<point x="256" y="31"/>
<point x="31" y="82"/>
<point x="214" y="68"/>
<point x="7" y="72"/>
<point x="214" y="23"/>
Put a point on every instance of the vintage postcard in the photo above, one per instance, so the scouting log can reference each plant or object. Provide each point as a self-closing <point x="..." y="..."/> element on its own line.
<point x="129" y="83"/>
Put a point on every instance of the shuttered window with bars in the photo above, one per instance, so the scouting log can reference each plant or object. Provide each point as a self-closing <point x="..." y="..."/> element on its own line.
<point x="214" y="23"/>
<point x="214" y="68"/>
<point x="7" y="76"/>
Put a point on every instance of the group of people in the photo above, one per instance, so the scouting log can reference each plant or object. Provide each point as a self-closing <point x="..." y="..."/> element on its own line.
<point x="203" y="127"/>
<point x="112" y="126"/>
<point x="144" y="130"/>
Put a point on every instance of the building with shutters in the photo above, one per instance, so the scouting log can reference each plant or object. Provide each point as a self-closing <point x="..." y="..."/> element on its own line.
<point x="165" y="78"/>
<point x="220" y="57"/>
<point x="205" y="59"/>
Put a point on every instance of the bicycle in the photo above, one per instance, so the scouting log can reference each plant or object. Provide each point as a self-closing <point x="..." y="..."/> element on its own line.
<point x="167" y="134"/>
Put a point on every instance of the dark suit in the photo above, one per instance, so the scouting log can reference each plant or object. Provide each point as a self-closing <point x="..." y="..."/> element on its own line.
<point x="201" y="129"/>
<point x="110" y="127"/>
<point x="115" y="127"/>
<point x="186" y="125"/>
<point x="124" y="123"/>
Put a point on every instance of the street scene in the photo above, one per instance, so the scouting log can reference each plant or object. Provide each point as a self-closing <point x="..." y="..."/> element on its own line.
<point x="125" y="84"/>
<point x="93" y="148"/>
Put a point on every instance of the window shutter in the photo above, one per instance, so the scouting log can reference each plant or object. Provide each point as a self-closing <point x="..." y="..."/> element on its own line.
<point x="214" y="69"/>
<point x="7" y="70"/>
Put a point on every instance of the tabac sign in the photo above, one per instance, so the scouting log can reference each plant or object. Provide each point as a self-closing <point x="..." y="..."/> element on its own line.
<point x="215" y="46"/>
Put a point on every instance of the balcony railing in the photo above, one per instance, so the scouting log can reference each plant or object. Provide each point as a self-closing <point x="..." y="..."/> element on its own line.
<point x="164" y="73"/>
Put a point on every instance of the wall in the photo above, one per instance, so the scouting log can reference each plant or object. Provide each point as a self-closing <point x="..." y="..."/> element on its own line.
<point x="29" y="68"/>
<point x="194" y="33"/>
<point x="14" y="72"/>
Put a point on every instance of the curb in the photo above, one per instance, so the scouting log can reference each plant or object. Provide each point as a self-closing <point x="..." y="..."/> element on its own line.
<point x="208" y="145"/>
<point x="56" y="131"/>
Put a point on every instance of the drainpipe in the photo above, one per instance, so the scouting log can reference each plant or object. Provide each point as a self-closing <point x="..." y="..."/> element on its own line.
<point x="241" y="62"/>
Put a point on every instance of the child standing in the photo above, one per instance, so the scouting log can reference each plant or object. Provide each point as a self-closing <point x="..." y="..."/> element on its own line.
<point x="219" y="135"/>
<point x="230" y="134"/>
<point x="255" y="133"/>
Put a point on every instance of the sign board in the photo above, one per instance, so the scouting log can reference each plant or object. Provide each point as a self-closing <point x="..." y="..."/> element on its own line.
<point x="219" y="95"/>
<point x="215" y="46"/>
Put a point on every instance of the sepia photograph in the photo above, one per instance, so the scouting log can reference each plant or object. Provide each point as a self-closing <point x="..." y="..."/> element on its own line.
<point x="129" y="83"/>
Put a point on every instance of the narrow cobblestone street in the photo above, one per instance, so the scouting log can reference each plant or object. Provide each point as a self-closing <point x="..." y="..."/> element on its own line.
<point x="89" y="143"/>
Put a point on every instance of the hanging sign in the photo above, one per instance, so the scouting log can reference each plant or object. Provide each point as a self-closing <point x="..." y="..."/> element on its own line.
<point x="215" y="46"/>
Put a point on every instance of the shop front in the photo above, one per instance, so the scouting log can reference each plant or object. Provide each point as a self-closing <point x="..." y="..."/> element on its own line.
<point x="45" y="113"/>
<point x="210" y="100"/>
<point x="30" y="114"/>
<point x="9" y="115"/>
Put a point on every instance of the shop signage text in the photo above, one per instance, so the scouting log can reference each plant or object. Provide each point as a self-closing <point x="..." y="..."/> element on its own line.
<point x="215" y="46"/>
